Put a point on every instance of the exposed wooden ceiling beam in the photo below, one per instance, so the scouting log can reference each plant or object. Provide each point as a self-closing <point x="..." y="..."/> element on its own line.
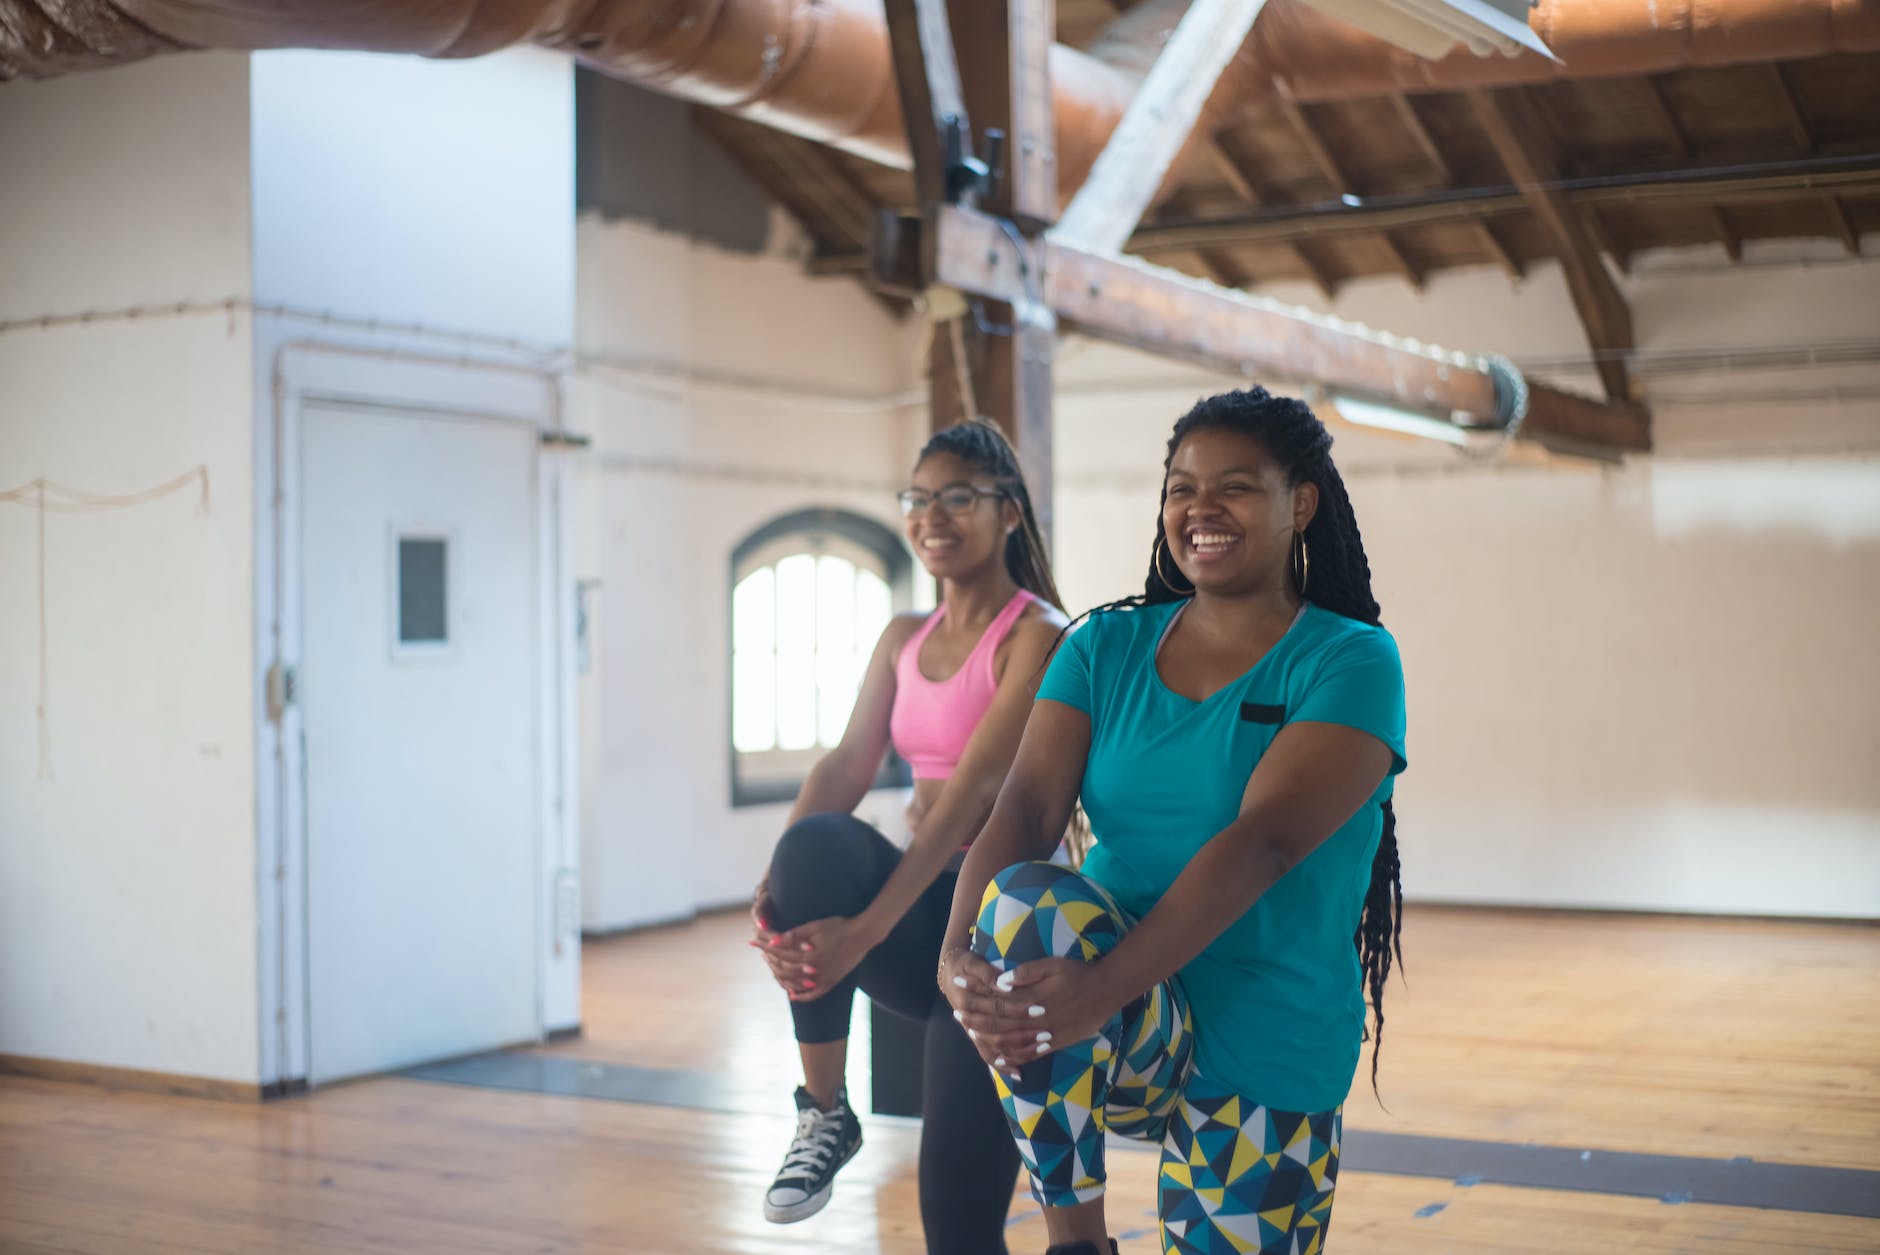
<point x="1157" y="124"/>
<point x="1425" y="142"/>
<point x="1727" y="234"/>
<point x="827" y="264"/>
<point x="1239" y="175"/>
<point x="1159" y="310"/>
<point x="1791" y="111"/>
<point x="1563" y="420"/>
<point x="1658" y="103"/>
<point x="1599" y="229"/>
<point x="1008" y="44"/>
<point x="1148" y="307"/>
<point x="928" y="75"/>
<point x="1292" y="226"/>
<point x="1217" y="262"/>
<point x="843" y="200"/>
<point x="1221" y="266"/>
<point x="1843" y="225"/>
<point x="1223" y="269"/>
<point x="1500" y="250"/>
<point x="1232" y="173"/>
<point x="1857" y="175"/>
<point x="1523" y="150"/>
<point x="1334" y="173"/>
<point x="817" y="218"/>
<point x="1445" y="177"/>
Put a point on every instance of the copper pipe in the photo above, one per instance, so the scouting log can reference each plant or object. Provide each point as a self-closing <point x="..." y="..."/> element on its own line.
<point x="823" y="70"/>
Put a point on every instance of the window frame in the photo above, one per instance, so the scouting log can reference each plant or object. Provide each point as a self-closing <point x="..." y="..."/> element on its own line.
<point x="808" y="528"/>
<point x="421" y="653"/>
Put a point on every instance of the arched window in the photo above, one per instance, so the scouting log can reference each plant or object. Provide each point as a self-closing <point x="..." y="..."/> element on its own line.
<point x="810" y="595"/>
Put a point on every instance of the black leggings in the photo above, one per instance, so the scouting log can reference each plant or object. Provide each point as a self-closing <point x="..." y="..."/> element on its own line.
<point x="834" y="864"/>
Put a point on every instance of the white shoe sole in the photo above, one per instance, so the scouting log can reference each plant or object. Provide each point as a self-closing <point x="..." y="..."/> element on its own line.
<point x="799" y="1211"/>
<point x="794" y="1212"/>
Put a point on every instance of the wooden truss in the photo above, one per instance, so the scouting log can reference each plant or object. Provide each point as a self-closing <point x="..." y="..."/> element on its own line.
<point x="984" y="170"/>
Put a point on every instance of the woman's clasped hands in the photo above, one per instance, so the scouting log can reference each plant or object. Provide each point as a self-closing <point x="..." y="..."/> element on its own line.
<point x="811" y="959"/>
<point x="1020" y="1015"/>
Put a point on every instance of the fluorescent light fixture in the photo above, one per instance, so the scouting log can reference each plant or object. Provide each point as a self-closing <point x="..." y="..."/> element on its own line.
<point x="1390" y="418"/>
<point x="1430" y="28"/>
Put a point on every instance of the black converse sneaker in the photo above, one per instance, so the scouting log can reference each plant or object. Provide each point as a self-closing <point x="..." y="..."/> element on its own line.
<point x="825" y="1140"/>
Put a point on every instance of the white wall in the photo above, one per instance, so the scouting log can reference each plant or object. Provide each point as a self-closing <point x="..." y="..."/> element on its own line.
<point x="681" y="471"/>
<point x="434" y="192"/>
<point x="1651" y="687"/>
<point x="414" y="246"/>
<point x="127" y="921"/>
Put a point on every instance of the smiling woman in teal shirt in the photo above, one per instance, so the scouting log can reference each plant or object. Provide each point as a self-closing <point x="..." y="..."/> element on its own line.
<point x="1234" y="735"/>
<point x="1165" y="772"/>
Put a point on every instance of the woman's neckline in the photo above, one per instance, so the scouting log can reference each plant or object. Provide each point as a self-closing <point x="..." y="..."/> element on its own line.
<point x="934" y="621"/>
<point x="1155" y="659"/>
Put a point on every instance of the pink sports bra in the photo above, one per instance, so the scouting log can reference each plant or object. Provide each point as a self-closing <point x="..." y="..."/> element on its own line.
<point x="933" y="719"/>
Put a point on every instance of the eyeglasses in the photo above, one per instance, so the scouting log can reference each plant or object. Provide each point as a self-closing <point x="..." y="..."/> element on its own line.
<point x="954" y="499"/>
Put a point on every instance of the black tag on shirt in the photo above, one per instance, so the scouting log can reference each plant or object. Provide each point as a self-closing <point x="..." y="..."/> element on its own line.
<point x="1254" y="712"/>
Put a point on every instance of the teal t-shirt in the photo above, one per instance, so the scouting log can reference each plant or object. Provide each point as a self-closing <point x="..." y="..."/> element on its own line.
<point x="1277" y="997"/>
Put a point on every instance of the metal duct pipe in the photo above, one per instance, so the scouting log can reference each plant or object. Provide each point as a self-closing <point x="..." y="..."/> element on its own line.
<point x="823" y="70"/>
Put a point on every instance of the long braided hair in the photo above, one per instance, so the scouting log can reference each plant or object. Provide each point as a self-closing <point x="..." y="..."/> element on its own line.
<point x="1340" y="582"/>
<point x="983" y="446"/>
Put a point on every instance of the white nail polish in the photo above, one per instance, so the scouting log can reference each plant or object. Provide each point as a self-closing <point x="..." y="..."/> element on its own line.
<point x="960" y="1016"/>
<point x="1044" y="1037"/>
<point x="959" y="981"/>
<point x="1005" y="981"/>
<point x="999" y="1062"/>
<point x="1034" y="1011"/>
<point x="970" y="1033"/>
<point x="1044" y="1047"/>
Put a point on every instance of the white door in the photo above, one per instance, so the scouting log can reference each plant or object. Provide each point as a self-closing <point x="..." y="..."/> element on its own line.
<point x="418" y="688"/>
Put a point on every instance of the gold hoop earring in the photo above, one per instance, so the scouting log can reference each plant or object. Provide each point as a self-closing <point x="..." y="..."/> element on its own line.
<point x="1301" y="562"/>
<point x="1156" y="555"/>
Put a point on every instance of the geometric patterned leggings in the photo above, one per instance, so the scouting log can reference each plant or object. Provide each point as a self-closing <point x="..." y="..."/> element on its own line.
<point x="1235" y="1176"/>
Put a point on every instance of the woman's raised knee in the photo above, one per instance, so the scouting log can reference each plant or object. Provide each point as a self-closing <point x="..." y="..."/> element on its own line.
<point x="1045" y="910"/>
<point x="813" y="841"/>
<point x="824" y="865"/>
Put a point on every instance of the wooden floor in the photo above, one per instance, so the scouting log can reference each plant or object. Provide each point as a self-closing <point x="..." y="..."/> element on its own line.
<point x="1685" y="1037"/>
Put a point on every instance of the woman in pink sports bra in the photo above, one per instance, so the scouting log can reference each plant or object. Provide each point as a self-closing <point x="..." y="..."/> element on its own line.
<point x="842" y="908"/>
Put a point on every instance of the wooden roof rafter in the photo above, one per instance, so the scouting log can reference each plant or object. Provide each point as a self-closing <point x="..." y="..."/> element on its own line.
<point x="1600" y="230"/>
<point x="1843" y="225"/>
<point x="1857" y="175"/>
<point x="1237" y="172"/>
<point x="1527" y="155"/>
<point x="780" y="170"/>
<point x="1342" y="185"/>
<point x="1157" y="125"/>
<point x="1727" y="233"/>
<point x="1219" y="263"/>
<point x="1446" y="177"/>
<point x="1658" y="104"/>
<point x="1788" y="108"/>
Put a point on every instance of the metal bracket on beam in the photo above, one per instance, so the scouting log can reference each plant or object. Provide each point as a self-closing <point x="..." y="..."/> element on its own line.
<point x="967" y="177"/>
